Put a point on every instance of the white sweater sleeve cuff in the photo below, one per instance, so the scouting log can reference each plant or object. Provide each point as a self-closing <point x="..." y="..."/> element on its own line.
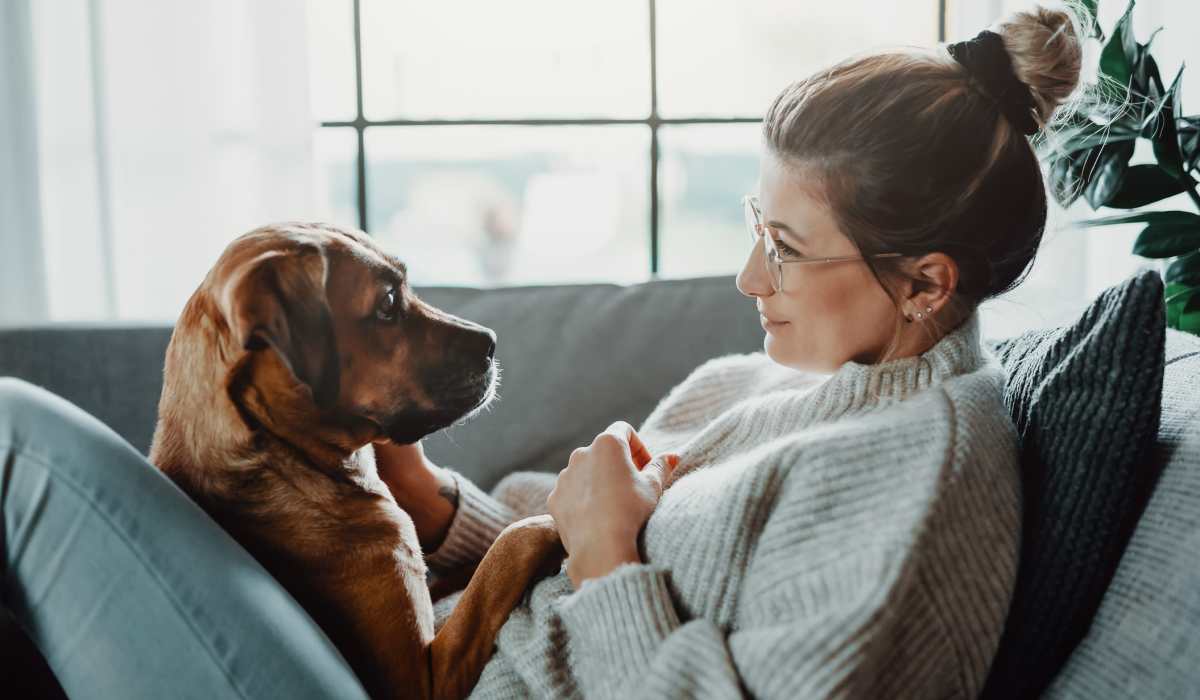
<point x="476" y="524"/>
<point x="616" y="622"/>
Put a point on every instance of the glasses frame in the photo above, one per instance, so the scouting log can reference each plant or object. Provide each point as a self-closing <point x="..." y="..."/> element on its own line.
<point x="772" y="259"/>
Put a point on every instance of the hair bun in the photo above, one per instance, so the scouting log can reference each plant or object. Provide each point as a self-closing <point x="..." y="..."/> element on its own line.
<point x="1047" y="53"/>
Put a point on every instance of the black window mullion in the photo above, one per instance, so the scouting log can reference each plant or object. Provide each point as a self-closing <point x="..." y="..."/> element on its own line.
<point x="653" y="122"/>
<point x="360" y="123"/>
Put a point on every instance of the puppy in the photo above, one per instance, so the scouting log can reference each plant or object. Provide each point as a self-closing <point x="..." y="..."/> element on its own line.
<point x="302" y="346"/>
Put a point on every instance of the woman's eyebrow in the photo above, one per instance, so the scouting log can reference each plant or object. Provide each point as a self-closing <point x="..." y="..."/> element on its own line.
<point x="784" y="227"/>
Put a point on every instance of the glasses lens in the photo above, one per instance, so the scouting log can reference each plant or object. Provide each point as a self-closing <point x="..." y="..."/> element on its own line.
<point x="770" y="252"/>
<point x="751" y="216"/>
<point x="774" y="267"/>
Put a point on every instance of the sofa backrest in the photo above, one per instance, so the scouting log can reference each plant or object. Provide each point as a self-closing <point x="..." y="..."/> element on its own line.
<point x="573" y="358"/>
<point x="112" y="372"/>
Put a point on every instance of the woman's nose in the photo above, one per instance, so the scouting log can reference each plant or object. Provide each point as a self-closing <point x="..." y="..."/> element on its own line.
<point x="752" y="280"/>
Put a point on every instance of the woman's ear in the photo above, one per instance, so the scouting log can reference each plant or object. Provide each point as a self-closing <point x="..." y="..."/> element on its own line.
<point x="933" y="281"/>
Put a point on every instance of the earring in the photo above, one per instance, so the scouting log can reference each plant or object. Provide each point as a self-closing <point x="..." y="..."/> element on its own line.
<point x="920" y="315"/>
<point x="928" y="309"/>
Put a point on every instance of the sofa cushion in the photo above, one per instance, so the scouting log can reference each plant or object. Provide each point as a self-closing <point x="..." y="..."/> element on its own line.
<point x="1145" y="639"/>
<point x="1085" y="399"/>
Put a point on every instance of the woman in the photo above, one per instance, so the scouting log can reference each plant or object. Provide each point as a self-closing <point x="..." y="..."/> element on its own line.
<point x="836" y="516"/>
<point x="839" y="515"/>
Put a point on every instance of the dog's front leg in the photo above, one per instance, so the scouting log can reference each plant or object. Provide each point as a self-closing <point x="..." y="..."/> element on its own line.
<point x="524" y="551"/>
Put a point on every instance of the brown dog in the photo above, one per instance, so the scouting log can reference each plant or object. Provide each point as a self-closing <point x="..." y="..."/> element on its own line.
<point x="302" y="346"/>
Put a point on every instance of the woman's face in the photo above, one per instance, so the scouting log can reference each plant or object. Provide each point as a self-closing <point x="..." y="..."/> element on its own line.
<point x="826" y="313"/>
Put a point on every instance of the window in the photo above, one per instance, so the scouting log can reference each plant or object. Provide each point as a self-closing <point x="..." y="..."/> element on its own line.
<point x="541" y="141"/>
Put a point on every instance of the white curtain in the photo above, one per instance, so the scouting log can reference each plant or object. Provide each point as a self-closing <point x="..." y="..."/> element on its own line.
<point x="22" y="283"/>
<point x="152" y="133"/>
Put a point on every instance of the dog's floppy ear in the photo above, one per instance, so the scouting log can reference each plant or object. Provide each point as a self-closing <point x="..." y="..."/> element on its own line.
<point x="277" y="301"/>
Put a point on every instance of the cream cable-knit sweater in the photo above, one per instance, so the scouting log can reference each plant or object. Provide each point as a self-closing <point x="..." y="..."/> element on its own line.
<point x="844" y="535"/>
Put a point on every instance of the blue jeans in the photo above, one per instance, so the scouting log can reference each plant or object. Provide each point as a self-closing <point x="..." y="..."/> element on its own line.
<point x="126" y="586"/>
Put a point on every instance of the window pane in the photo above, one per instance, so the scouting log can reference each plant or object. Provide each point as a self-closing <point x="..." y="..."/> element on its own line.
<point x="331" y="60"/>
<point x="721" y="57"/>
<point x="703" y="173"/>
<point x="335" y="161"/>
<point x="526" y="58"/>
<point x="490" y="205"/>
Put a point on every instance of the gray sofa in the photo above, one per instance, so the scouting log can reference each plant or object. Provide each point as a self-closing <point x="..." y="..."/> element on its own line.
<point x="577" y="357"/>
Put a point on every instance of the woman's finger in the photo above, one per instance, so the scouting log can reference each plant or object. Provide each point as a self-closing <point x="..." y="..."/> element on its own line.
<point x="637" y="449"/>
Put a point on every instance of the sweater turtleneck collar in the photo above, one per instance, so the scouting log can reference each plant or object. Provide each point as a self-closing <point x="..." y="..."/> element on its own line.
<point x="777" y="400"/>
<point x="958" y="352"/>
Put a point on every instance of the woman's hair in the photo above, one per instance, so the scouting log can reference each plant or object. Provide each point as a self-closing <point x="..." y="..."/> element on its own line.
<point x="911" y="157"/>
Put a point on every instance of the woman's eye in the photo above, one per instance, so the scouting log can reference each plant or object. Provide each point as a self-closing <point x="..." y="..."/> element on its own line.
<point x="387" y="306"/>
<point x="786" y="250"/>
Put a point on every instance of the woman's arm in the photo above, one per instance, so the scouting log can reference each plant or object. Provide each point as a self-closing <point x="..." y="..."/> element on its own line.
<point x="630" y="639"/>
<point x="456" y="521"/>
<point x="428" y="493"/>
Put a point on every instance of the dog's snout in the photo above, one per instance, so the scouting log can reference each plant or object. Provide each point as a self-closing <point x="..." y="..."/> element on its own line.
<point x="487" y="342"/>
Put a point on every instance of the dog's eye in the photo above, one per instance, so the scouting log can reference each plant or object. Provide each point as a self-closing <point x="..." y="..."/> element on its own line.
<point x="388" y="306"/>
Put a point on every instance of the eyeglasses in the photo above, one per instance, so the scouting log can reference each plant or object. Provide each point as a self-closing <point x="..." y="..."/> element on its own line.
<point x="774" y="259"/>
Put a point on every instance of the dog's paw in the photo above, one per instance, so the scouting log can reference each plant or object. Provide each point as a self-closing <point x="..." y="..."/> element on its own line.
<point x="537" y="533"/>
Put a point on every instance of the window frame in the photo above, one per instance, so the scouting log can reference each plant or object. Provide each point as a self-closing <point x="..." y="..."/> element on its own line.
<point x="652" y="121"/>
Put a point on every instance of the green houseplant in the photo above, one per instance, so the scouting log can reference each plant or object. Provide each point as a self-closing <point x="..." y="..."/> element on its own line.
<point x="1094" y="145"/>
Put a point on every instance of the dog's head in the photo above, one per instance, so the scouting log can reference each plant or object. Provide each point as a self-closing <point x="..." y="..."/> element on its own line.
<point x="320" y="336"/>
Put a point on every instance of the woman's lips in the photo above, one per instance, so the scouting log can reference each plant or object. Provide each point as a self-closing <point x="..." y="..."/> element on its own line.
<point x="768" y="324"/>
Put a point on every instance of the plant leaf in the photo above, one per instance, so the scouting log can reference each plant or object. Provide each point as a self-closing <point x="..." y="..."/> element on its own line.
<point x="1118" y="58"/>
<point x="1145" y="217"/>
<point x="1175" y="305"/>
<point x="1095" y="135"/>
<point x="1070" y="174"/>
<point x="1108" y="176"/>
<point x="1166" y="240"/>
<point x="1193" y="302"/>
<point x="1184" y="270"/>
<point x="1146" y="78"/>
<point x="1161" y="129"/>
<point x="1091" y="19"/>
<point x="1189" y="144"/>
<point x="1144" y="184"/>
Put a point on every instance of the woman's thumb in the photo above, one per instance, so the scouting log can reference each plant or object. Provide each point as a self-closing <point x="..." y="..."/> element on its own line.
<point x="659" y="468"/>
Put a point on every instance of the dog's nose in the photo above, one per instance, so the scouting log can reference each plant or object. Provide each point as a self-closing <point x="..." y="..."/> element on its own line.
<point x="479" y="340"/>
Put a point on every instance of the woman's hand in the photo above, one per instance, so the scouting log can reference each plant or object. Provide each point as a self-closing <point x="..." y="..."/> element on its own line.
<point x="603" y="498"/>
<point x="424" y="490"/>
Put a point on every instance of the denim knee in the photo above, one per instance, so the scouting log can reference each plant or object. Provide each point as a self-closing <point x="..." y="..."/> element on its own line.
<point x="22" y="405"/>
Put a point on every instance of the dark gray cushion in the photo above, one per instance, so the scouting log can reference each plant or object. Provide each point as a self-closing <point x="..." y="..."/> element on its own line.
<point x="1085" y="399"/>
<point x="1145" y="639"/>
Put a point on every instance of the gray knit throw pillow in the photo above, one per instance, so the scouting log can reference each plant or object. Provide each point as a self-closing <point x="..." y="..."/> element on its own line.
<point x="1086" y="401"/>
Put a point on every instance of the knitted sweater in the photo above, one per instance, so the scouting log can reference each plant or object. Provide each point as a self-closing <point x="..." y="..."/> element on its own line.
<point x="844" y="535"/>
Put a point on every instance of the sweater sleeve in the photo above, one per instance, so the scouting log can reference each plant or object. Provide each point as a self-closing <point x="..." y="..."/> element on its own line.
<point x="476" y="524"/>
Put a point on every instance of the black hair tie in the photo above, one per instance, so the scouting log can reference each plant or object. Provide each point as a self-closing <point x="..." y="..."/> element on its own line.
<point x="991" y="75"/>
